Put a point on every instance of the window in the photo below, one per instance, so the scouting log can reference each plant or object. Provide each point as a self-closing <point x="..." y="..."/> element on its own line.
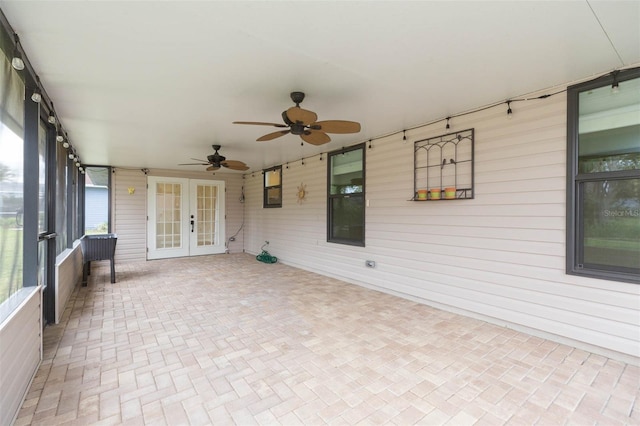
<point x="345" y="204"/>
<point x="96" y="200"/>
<point x="11" y="180"/>
<point x="62" y="161"/>
<point x="603" y="179"/>
<point x="272" y="187"/>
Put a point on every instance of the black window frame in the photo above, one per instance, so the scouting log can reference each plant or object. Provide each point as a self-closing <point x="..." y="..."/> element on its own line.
<point x="575" y="264"/>
<point x="330" y="197"/>
<point x="265" y="197"/>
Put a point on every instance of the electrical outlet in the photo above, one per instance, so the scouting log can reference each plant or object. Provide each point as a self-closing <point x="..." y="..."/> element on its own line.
<point x="370" y="263"/>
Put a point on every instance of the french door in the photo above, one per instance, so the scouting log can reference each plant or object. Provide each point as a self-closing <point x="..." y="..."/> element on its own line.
<point x="186" y="217"/>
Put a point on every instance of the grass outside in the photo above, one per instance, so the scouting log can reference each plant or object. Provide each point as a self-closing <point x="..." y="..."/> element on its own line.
<point x="10" y="261"/>
<point x="611" y="243"/>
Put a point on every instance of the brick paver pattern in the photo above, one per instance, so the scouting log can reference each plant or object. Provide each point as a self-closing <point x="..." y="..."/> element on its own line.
<point x="228" y="340"/>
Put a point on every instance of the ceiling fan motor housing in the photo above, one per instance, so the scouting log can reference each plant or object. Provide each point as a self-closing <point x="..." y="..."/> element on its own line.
<point x="216" y="158"/>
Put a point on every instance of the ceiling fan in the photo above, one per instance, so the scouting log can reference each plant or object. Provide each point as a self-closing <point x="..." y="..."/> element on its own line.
<point x="303" y="123"/>
<point x="215" y="161"/>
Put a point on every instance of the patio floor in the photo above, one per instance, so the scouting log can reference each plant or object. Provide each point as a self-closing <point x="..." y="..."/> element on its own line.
<point x="228" y="340"/>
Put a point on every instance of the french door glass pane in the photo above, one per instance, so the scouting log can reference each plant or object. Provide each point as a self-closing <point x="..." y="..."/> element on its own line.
<point x="168" y="214"/>
<point x="206" y="202"/>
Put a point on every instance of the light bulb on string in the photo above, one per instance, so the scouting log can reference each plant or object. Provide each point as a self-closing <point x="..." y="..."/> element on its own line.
<point x="448" y="126"/>
<point x="17" y="62"/>
<point x="52" y="116"/>
<point x="615" y="86"/>
<point x="36" y="96"/>
<point x="509" y="111"/>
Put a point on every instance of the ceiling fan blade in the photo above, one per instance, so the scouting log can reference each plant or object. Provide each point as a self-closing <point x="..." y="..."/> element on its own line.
<point x="273" y="135"/>
<point x="193" y="164"/>
<point x="260" y="123"/>
<point x="235" y="165"/>
<point x="336" y="126"/>
<point x="212" y="168"/>
<point x="202" y="161"/>
<point x="315" y="137"/>
<point x="233" y="162"/>
<point x="297" y="114"/>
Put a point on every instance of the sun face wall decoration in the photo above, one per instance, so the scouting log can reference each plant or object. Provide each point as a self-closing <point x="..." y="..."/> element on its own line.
<point x="302" y="193"/>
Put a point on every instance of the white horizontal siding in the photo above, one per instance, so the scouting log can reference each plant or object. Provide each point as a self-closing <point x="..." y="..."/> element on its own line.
<point x="68" y="274"/>
<point x="500" y="256"/>
<point x="129" y="215"/>
<point x="21" y="354"/>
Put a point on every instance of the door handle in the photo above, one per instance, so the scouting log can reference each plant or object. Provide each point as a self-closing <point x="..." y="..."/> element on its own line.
<point x="192" y="223"/>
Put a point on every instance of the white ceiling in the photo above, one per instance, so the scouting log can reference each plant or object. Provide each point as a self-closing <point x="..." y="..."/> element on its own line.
<point x="155" y="83"/>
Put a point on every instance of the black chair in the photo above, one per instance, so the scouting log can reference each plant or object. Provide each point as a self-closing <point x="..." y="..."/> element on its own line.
<point x="98" y="247"/>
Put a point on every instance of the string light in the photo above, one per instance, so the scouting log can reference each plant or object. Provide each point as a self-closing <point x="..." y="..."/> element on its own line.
<point x="486" y="107"/>
<point x="17" y="62"/>
<point x="37" y="96"/>
<point x="509" y="112"/>
<point x="615" y="86"/>
<point x="52" y="115"/>
<point x="369" y="143"/>
<point x="404" y="136"/>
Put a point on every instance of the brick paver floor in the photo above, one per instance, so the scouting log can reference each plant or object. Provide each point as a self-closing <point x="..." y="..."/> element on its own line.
<point x="228" y="340"/>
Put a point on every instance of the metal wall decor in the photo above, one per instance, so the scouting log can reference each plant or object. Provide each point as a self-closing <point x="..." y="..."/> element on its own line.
<point x="443" y="167"/>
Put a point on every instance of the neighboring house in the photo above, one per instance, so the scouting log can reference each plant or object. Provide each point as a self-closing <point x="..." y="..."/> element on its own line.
<point x="98" y="198"/>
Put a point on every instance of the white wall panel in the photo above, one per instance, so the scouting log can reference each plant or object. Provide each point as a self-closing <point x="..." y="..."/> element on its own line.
<point x="21" y="354"/>
<point x="500" y="256"/>
<point x="68" y="274"/>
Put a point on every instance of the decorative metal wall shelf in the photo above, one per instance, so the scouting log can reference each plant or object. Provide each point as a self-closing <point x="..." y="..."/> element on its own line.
<point x="443" y="167"/>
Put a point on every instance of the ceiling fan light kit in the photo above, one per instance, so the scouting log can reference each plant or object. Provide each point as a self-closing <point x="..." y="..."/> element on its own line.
<point x="303" y="123"/>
